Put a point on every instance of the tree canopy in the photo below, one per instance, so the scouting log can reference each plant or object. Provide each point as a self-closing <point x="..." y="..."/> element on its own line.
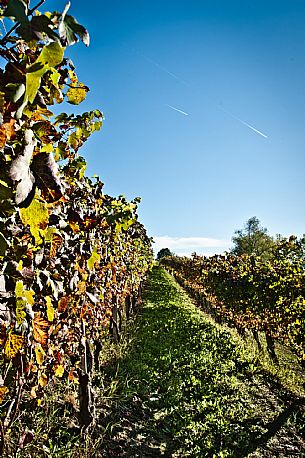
<point x="163" y="253"/>
<point x="253" y="239"/>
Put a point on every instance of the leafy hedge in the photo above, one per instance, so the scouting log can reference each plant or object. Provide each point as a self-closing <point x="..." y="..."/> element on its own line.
<point x="72" y="259"/>
<point x="250" y="293"/>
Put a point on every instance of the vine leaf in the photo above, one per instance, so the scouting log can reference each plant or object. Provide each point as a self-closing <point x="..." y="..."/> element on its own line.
<point x="43" y="380"/>
<point x="13" y="345"/>
<point x="40" y="354"/>
<point x="3" y="391"/>
<point x="19" y="288"/>
<point x="50" y="309"/>
<point x="50" y="56"/>
<point x="56" y="244"/>
<point x="33" y="80"/>
<point x="36" y="215"/>
<point x="42" y="24"/>
<point x="20" y="313"/>
<point x="63" y="304"/>
<point x="78" y="91"/>
<point x="45" y="171"/>
<point x="18" y="10"/>
<point x="93" y="260"/>
<point x="20" y="172"/>
<point x="59" y="371"/>
<point x="29" y="296"/>
<point x="4" y="244"/>
<point x="7" y="132"/>
<point x="69" y="29"/>
<point x="41" y="328"/>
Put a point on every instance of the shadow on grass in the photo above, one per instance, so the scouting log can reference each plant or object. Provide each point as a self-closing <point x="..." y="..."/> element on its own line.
<point x="182" y="386"/>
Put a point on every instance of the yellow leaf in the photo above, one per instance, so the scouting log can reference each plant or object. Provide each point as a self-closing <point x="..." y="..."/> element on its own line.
<point x="50" y="309"/>
<point x="13" y="344"/>
<point x="75" y="227"/>
<point x="20" y="313"/>
<point x="81" y="286"/>
<point x="3" y="391"/>
<point x="49" y="234"/>
<point x="33" y="392"/>
<point x="40" y="354"/>
<point x="43" y="380"/>
<point x="29" y="296"/>
<point x="20" y="265"/>
<point x="59" y="372"/>
<point x="93" y="260"/>
<point x="77" y="92"/>
<point x="36" y="215"/>
<point x="48" y="148"/>
<point x="19" y="288"/>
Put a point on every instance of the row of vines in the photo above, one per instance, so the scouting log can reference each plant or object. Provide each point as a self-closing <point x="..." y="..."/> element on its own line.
<point x="251" y="294"/>
<point x="72" y="259"/>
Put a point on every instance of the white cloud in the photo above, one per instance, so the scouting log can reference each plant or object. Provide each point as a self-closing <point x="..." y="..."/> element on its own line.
<point x="185" y="246"/>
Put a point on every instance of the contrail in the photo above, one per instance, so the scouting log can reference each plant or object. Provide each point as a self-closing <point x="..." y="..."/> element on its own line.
<point x="156" y="64"/>
<point x="164" y="69"/>
<point x="177" y="109"/>
<point x="244" y="122"/>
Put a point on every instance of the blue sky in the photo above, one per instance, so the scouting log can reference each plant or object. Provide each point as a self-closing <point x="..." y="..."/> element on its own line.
<point x="203" y="175"/>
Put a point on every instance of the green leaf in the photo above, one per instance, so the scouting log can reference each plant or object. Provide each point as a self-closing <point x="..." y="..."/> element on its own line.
<point x="50" y="56"/>
<point x="16" y="91"/>
<point x="69" y="29"/>
<point x="42" y="24"/>
<point x="33" y="80"/>
<point x="3" y="245"/>
<point x="17" y="10"/>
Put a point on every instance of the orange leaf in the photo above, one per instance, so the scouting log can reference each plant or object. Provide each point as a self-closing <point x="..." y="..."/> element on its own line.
<point x="33" y="391"/>
<point x="41" y="329"/>
<point x="72" y="375"/>
<point x="43" y="380"/>
<point x="3" y="391"/>
<point x="7" y="132"/>
<point x="56" y="244"/>
<point x="63" y="304"/>
<point x="81" y="286"/>
<point x="2" y="334"/>
<point x="75" y="227"/>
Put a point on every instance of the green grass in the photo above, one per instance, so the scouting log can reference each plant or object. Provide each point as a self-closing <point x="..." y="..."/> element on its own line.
<point x="186" y="387"/>
<point x="177" y="385"/>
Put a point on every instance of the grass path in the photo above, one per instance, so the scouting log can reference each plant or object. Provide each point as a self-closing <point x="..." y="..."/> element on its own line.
<point x="180" y="386"/>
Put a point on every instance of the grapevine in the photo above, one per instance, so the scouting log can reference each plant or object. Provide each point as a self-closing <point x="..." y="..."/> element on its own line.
<point x="252" y="294"/>
<point x="72" y="258"/>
